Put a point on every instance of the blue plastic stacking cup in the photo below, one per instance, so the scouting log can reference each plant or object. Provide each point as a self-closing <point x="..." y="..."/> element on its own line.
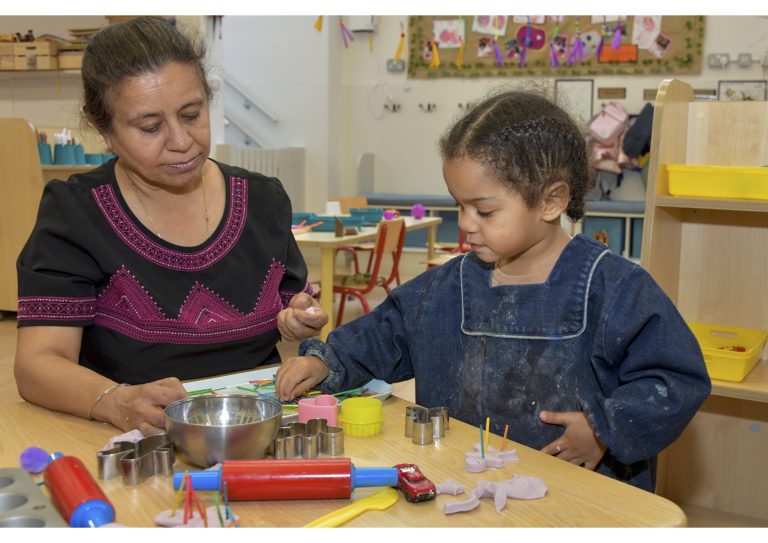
<point x="44" y="149"/>
<point x="63" y="154"/>
<point x="79" y="154"/>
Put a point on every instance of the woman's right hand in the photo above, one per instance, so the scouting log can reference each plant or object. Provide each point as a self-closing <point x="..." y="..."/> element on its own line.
<point x="143" y="406"/>
<point x="297" y="375"/>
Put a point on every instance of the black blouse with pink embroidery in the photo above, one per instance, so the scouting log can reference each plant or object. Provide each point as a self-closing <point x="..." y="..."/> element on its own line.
<point x="150" y="309"/>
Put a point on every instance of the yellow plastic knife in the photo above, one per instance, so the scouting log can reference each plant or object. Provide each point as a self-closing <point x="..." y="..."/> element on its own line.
<point x="384" y="498"/>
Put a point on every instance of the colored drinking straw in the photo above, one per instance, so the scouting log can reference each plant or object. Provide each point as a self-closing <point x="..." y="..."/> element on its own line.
<point x="506" y="427"/>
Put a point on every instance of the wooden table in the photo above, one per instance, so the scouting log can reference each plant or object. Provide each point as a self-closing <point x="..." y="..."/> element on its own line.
<point x="576" y="497"/>
<point x="327" y="242"/>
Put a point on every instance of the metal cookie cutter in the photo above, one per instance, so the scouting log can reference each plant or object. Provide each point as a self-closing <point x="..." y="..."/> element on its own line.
<point x="308" y="440"/>
<point x="136" y="462"/>
<point x="424" y="425"/>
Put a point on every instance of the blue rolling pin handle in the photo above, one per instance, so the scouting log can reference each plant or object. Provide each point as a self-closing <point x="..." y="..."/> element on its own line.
<point x="209" y="479"/>
<point x="374" y="477"/>
<point x="92" y="514"/>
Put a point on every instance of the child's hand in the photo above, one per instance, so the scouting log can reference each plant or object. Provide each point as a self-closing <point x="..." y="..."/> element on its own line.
<point x="297" y="375"/>
<point x="578" y="444"/>
<point x="302" y="318"/>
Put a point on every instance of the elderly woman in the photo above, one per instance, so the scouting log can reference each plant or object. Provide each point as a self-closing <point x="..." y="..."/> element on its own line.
<point x="161" y="264"/>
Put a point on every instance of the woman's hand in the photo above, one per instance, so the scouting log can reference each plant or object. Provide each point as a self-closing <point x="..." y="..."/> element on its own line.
<point x="143" y="406"/>
<point x="297" y="375"/>
<point x="578" y="444"/>
<point x="302" y="318"/>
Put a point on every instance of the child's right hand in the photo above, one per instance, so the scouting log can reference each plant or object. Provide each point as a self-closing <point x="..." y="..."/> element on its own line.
<point x="297" y="375"/>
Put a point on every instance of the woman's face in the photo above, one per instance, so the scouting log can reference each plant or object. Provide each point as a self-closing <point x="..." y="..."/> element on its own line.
<point x="161" y="126"/>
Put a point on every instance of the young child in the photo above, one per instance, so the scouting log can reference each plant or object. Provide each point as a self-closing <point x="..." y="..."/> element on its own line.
<point x="577" y="349"/>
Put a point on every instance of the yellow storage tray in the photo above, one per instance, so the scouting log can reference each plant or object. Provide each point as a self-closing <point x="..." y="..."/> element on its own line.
<point x="718" y="181"/>
<point x="729" y="352"/>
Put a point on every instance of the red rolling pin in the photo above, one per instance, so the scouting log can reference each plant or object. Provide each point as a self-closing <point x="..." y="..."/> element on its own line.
<point x="288" y="479"/>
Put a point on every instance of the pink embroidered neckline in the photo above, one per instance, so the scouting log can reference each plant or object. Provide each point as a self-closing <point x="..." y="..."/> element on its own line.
<point x="136" y="239"/>
<point x="204" y="317"/>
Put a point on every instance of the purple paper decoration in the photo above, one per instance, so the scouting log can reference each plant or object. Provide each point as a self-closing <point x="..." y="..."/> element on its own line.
<point x="497" y="51"/>
<point x="616" y="43"/>
<point x="345" y="34"/>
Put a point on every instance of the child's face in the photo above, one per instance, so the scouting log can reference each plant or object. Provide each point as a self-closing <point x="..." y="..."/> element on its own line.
<point x="497" y="222"/>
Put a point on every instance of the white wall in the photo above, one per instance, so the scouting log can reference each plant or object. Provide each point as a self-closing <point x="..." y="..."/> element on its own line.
<point x="405" y="143"/>
<point x="295" y="72"/>
<point x="330" y="100"/>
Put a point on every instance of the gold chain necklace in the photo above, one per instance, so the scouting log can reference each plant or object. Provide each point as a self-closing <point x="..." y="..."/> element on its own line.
<point x="152" y="222"/>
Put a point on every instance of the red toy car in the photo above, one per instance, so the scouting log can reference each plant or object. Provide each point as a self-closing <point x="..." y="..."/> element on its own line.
<point x="413" y="484"/>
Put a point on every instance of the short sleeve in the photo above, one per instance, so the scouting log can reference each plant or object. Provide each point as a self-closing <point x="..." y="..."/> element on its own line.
<point x="296" y="274"/>
<point x="57" y="275"/>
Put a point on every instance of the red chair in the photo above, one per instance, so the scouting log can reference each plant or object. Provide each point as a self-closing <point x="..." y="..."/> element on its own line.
<point x="346" y="203"/>
<point x="390" y="239"/>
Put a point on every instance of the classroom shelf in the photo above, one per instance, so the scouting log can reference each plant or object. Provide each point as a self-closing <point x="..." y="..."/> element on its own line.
<point x="712" y="203"/>
<point x="10" y="75"/>
<point x="754" y="387"/>
<point x="710" y="256"/>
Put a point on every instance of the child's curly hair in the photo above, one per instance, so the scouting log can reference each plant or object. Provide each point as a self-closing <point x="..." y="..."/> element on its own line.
<point x="527" y="142"/>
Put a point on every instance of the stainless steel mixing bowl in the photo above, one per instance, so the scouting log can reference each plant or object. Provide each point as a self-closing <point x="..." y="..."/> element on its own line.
<point x="210" y="429"/>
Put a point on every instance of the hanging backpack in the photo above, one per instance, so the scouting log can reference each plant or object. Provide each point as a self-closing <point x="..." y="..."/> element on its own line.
<point x="609" y="124"/>
<point x="637" y="140"/>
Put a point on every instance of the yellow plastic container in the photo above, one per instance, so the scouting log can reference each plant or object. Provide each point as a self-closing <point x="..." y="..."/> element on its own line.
<point x="717" y="344"/>
<point x="361" y="417"/>
<point x="718" y="181"/>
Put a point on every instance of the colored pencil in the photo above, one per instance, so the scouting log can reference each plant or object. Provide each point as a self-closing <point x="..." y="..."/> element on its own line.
<point x="178" y="494"/>
<point x="482" y="446"/>
<point x="226" y="501"/>
<point x="506" y="427"/>
<point x="487" y="431"/>
<point x="217" y="502"/>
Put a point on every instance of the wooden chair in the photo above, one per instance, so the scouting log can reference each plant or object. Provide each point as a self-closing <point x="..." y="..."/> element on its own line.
<point x="347" y="203"/>
<point x="390" y="240"/>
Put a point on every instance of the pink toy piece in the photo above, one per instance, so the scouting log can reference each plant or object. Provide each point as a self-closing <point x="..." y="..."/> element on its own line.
<point x="475" y="462"/>
<point x="449" y="486"/>
<point x="324" y="406"/>
<point x="521" y="487"/>
<point x="462" y="507"/>
<point x="133" y="436"/>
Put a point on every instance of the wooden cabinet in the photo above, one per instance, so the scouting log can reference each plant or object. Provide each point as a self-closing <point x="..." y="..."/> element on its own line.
<point x="711" y="257"/>
<point x="21" y="186"/>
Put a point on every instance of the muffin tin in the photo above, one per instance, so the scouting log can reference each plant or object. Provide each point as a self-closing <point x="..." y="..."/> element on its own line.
<point x="22" y="503"/>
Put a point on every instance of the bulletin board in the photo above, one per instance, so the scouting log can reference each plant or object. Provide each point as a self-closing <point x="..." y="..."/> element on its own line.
<point x="555" y="46"/>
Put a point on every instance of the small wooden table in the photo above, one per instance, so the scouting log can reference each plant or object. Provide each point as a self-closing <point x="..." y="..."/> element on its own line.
<point x="327" y="242"/>
<point x="576" y="497"/>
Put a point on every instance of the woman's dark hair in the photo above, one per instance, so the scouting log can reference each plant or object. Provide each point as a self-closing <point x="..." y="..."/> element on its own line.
<point x="528" y="143"/>
<point x="130" y="49"/>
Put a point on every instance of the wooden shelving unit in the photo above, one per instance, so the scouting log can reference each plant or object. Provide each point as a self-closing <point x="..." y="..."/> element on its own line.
<point x="21" y="186"/>
<point x="40" y="74"/>
<point x="711" y="257"/>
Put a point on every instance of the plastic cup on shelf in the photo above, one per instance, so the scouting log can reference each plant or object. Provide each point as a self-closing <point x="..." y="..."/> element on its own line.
<point x="94" y="158"/>
<point x="79" y="155"/>
<point x="44" y="149"/>
<point x="63" y="154"/>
